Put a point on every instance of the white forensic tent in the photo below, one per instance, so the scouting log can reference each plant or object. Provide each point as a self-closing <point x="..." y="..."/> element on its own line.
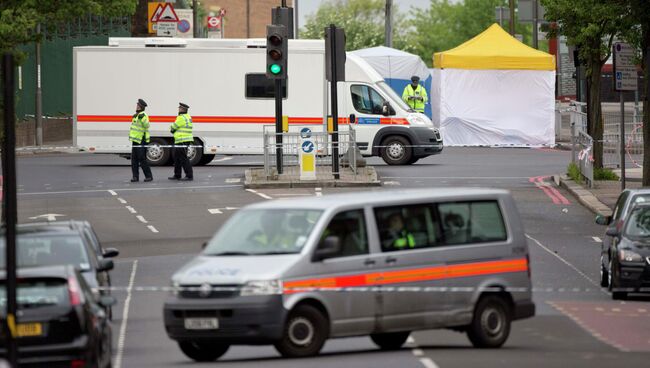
<point x="494" y="91"/>
<point x="397" y="67"/>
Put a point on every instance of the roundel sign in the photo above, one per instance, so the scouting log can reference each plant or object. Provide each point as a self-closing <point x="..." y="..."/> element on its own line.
<point x="183" y="26"/>
<point x="214" y="22"/>
<point x="308" y="146"/>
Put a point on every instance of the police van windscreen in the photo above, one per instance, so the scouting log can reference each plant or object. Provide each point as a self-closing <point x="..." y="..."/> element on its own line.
<point x="264" y="231"/>
<point x="393" y="96"/>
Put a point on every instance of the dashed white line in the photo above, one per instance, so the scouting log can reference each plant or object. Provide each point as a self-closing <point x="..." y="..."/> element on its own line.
<point x="112" y="192"/>
<point x="125" y="318"/>
<point x="152" y="228"/>
<point x="259" y="194"/>
<point x="428" y="363"/>
<point x="142" y="219"/>
<point x="233" y="180"/>
<point x="319" y="192"/>
<point x="418" y="352"/>
<point x="121" y="200"/>
<point x="133" y="189"/>
<point x="131" y="209"/>
<point x="596" y="239"/>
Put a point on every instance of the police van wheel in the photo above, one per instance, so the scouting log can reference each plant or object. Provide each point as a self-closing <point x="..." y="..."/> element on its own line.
<point x="203" y="351"/>
<point x="490" y="326"/>
<point x="390" y="341"/>
<point x="304" y="333"/>
<point x="156" y="154"/>
<point x="395" y="150"/>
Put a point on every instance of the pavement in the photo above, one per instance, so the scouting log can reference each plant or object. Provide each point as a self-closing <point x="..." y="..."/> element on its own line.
<point x="160" y="226"/>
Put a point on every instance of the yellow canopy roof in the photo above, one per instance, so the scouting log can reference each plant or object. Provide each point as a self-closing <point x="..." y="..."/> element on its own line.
<point x="494" y="48"/>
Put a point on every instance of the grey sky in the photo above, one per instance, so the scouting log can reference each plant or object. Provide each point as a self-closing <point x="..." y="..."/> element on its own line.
<point x="306" y="7"/>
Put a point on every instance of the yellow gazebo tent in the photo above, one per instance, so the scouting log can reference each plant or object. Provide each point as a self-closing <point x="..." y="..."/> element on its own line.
<point x="494" y="48"/>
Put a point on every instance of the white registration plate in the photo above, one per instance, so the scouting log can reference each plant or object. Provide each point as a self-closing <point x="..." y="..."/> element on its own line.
<point x="201" y="323"/>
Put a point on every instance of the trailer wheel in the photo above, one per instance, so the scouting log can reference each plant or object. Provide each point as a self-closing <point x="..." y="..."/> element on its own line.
<point x="157" y="155"/>
<point x="395" y="150"/>
<point x="195" y="153"/>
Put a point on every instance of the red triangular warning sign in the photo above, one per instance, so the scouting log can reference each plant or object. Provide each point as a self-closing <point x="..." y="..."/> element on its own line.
<point x="167" y="14"/>
<point x="156" y="13"/>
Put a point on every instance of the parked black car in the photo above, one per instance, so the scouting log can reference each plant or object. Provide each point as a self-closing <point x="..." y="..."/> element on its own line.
<point x="60" y="321"/>
<point x="629" y="265"/>
<point x="60" y="243"/>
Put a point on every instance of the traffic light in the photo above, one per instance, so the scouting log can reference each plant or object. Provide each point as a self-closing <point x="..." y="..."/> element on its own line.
<point x="276" y="52"/>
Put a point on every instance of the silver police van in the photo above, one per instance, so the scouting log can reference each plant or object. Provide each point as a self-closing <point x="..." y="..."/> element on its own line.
<point x="296" y="272"/>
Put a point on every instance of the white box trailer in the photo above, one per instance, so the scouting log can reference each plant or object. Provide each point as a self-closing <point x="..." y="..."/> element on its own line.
<point x="224" y="83"/>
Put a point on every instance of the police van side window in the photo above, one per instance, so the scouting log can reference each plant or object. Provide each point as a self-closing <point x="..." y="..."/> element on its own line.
<point x="259" y="86"/>
<point x="350" y="228"/>
<point x="366" y="100"/>
<point x="407" y="227"/>
<point x="471" y="222"/>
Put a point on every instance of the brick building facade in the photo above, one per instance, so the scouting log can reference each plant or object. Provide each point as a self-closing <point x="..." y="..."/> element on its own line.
<point x="244" y="18"/>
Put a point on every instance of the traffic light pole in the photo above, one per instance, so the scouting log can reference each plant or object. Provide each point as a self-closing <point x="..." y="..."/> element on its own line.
<point x="335" y="103"/>
<point x="9" y="188"/>
<point x="278" y="125"/>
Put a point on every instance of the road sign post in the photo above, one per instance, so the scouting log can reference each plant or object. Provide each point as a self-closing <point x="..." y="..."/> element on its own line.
<point x="307" y="155"/>
<point x="625" y="79"/>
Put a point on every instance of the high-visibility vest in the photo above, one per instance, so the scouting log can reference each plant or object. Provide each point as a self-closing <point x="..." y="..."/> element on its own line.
<point x="405" y="239"/>
<point x="182" y="129"/>
<point x="139" y="128"/>
<point x="415" y="104"/>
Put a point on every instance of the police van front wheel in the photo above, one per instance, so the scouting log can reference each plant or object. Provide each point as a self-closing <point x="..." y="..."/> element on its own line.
<point x="396" y="150"/>
<point x="304" y="333"/>
<point x="201" y="351"/>
<point x="490" y="326"/>
<point x="157" y="154"/>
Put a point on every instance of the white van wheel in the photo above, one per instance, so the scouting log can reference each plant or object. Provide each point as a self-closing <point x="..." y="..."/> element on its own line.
<point x="396" y="151"/>
<point x="304" y="333"/>
<point x="490" y="326"/>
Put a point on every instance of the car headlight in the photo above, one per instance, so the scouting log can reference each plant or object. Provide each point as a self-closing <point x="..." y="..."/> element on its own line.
<point x="418" y="120"/>
<point x="265" y="287"/>
<point x="629" y="256"/>
<point x="175" y="288"/>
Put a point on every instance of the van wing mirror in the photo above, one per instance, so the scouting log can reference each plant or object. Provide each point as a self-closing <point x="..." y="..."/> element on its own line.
<point x="353" y="119"/>
<point x="110" y="253"/>
<point x="328" y="248"/>
<point x="105" y="265"/>
<point x="612" y="231"/>
<point x="603" y="220"/>
<point x="387" y="109"/>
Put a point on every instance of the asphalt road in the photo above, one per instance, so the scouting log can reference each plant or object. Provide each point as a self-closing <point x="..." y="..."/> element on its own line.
<point x="159" y="226"/>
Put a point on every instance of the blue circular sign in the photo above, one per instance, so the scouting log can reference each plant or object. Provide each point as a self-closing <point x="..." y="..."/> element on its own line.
<point x="183" y="26"/>
<point x="305" y="133"/>
<point x="307" y="146"/>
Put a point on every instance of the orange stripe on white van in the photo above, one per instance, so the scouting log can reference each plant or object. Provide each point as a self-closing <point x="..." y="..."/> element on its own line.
<point x="225" y="119"/>
<point x="409" y="275"/>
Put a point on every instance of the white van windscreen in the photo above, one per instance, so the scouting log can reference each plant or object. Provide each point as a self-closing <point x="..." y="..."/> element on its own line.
<point x="393" y="96"/>
<point x="264" y="231"/>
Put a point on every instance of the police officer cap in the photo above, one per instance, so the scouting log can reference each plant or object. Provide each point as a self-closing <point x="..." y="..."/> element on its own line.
<point x="415" y="78"/>
<point x="141" y="102"/>
<point x="180" y="104"/>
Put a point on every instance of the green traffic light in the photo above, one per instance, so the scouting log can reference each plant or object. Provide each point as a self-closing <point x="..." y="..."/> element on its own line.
<point x="275" y="68"/>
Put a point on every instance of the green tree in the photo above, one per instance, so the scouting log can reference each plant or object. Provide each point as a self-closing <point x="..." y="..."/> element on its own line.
<point x="589" y="25"/>
<point x="363" y="21"/>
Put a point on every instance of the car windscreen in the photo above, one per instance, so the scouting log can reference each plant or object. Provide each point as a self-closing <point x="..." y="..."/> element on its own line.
<point x="393" y="96"/>
<point x="34" y="293"/>
<point x="638" y="223"/>
<point x="48" y="250"/>
<point x="264" y="231"/>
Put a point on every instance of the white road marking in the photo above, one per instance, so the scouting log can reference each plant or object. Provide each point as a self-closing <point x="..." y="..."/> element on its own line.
<point x="259" y="194"/>
<point x="142" y="219"/>
<point x="130" y="189"/>
<point x="121" y="200"/>
<point x="152" y="228"/>
<point x="131" y="209"/>
<point x="393" y="182"/>
<point x="418" y="352"/>
<point x="48" y="216"/>
<point x="125" y="318"/>
<point x="596" y="239"/>
<point x="319" y="192"/>
<point x="214" y="211"/>
<point x="222" y="159"/>
<point x="112" y="192"/>
<point x="565" y="262"/>
<point x="428" y="363"/>
<point x="410" y="340"/>
<point x="457" y="177"/>
<point x="233" y="180"/>
<point x="291" y="194"/>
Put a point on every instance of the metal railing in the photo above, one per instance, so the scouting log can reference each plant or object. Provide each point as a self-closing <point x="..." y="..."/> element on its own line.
<point x="291" y="146"/>
<point x="585" y="159"/>
<point x="633" y="139"/>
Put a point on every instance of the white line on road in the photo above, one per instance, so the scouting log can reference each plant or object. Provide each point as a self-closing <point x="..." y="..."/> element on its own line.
<point x="112" y="192"/>
<point x="142" y="219"/>
<point x="596" y="239"/>
<point x="214" y="211"/>
<point x="152" y="228"/>
<point x="121" y="200"/>
<point x="222" y="159"/>
<point x="428" y="363"/>
<point x="233" y="180"/>
<point x="418" y="352"/>
<point x="131" y="189"/>
<point x="131" y="209"/>
<point x="259" y="194"/>
<point x="125" y="318"/>
<point x="565" y="262"/>
<point x="319" y="192"/>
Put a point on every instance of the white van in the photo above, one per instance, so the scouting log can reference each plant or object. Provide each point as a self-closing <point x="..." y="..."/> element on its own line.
<point x="294" y="273"/>
<point x="230" y="98"/>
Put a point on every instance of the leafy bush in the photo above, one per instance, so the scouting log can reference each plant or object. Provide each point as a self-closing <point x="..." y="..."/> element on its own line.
<point x="604" y="174"/>
<point x="573" y="171"/>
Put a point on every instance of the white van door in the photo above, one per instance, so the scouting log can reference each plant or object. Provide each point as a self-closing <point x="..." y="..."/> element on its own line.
<point x="366" y="103"/>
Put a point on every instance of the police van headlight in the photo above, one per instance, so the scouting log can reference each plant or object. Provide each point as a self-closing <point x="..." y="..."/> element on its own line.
<point x="418" y="120"/>
<point x="263" y="287"/>
<point x="175" y="288"/>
